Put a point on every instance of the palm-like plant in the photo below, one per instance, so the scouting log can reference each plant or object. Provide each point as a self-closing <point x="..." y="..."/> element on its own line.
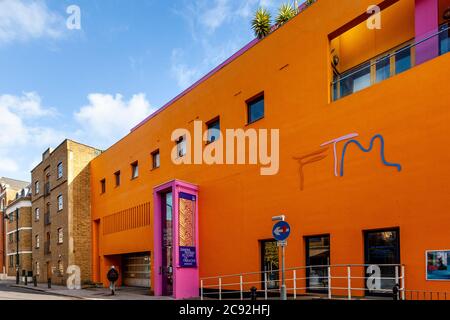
<point x="286" y="13"/>
<point x="261" y="24"/>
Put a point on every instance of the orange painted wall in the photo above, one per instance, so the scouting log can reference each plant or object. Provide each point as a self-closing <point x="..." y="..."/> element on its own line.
<point x="361" y="44"/>
<point x="411" y="110"/>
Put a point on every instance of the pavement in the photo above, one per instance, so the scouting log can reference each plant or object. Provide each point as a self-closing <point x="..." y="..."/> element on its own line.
<point x="10" y="291"/>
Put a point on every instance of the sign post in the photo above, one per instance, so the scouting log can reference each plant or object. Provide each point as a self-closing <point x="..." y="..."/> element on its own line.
<point x="281" y="231"/>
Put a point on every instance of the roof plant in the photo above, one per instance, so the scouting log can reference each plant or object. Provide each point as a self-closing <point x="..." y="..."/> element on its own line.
<point x="285" y="13"/>
<point x="261" y="23"/>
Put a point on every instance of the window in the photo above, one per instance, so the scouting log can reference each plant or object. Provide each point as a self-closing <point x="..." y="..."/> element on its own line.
<point x="60" y="170"/>
<point x="36" y="214"/>
<point x="60" y="203"/>
<point x="37" y="242"/>
<point x="103" y="186"/>
<point x="60" y="268"/>
<point x="255" y="109"/>
<point x="382" y="247"/>
<point x="444" y="38"/>
<point x="213" y="130"/>
<point x="117" y="178"/>
<point x="11" y="237"/>
<point x="181" y="147"/>
<point x="383" y="69"/>
<point x="36" y="187"/>
<point x="38" y="269"/>
<point x="402" y="60"/>
<point x="11" y="261"/>
<point x="317" y="258"/>
<point x="156" y="160"/>
<point x="270" y="263"/>
<point x="60" y="236"/>
<point x="134" y="170"/>
<point x="11" y="217"/>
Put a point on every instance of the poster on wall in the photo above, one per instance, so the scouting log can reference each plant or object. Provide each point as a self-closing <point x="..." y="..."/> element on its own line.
<point x="437" y="265"/>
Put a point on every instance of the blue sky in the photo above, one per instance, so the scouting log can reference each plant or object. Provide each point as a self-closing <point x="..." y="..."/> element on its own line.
<point x="94" y="84"/>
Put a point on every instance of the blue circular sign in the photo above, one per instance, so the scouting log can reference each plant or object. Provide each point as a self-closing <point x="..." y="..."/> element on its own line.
<point x="281" y="231"/>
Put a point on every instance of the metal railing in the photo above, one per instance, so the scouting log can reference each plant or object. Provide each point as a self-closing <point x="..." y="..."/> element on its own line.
<point x="335" y="84"/>
<point x="427" y="295"/>
<point x="352" y="281"/>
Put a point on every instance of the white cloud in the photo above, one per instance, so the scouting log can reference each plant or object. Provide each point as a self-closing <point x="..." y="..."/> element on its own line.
<point x="23" y="20"/>
<point x="108" y="118"/>
<point x="23" y="132"/>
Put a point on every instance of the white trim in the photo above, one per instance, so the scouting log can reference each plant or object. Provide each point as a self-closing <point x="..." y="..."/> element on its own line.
<point x="20" y="252"/>
<point x="17" y="205"/>
<point x="20" y="229"/>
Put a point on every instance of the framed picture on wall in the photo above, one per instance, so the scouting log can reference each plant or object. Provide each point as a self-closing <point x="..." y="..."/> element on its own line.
<point x="438" y="268"/>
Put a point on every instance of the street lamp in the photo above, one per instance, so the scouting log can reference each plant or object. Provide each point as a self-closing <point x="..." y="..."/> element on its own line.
<point x="283" y="291"/>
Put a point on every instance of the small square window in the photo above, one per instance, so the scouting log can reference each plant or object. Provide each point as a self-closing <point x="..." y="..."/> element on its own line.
<point x="181" y="147"/>
<point x="60" y="203"/>
<point x="117" y="178"/>
<point x="255" y="109"/>
<point x="156" y="160"/>
<point x="103" y="186"/>
<point x="213" y="130"/>
<point x="60" y="170"/>
<point x="134" y="170"/>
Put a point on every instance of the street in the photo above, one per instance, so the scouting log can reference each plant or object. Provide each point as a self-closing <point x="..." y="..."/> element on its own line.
<point x="9" y="292"/>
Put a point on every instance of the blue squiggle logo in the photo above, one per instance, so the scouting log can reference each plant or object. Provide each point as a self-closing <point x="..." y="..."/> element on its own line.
<point x="383" y="159"/>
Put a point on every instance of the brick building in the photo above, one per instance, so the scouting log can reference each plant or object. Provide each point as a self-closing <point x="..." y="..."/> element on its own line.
<point x="61" y="212"/>
<point x="8" y="189"/>
<point x="18" y="233"/>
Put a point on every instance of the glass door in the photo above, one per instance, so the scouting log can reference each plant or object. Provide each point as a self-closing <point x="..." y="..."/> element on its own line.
<point x="317" y="260"/>
<point x="382" y="247"/>
<point x="270" y="264"/>
<point x="167" y="244"/>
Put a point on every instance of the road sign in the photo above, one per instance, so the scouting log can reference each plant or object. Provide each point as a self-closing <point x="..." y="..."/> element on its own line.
<point x="281" y="231"/>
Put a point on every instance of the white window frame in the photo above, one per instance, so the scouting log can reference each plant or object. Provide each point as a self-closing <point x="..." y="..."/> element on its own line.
<point x="36" y="187"/>
<point x="37" y="214"/>
<point x="60" y="203"/>
<point x="60" y="170"/>
<point x="38" y="244"/>
<point x="60" y="235"/>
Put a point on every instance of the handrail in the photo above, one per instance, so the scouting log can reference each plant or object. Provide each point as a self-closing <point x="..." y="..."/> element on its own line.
<point x="331" y="282"/>
<point x="415" y="44"/>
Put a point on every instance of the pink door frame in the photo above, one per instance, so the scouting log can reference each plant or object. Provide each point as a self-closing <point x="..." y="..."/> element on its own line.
<point x="185" y="280"/>
<point x="427" y="24"/>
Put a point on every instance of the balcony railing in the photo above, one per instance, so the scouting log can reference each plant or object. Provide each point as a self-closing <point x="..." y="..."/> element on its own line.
<point x="352" y="281"/>
<point x="47" y="247"/>
<point x="387" y="65"/>
<point x="47" y="219"/>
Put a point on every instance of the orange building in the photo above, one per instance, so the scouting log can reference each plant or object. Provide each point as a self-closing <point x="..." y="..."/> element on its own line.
<point x="337" y="81"/>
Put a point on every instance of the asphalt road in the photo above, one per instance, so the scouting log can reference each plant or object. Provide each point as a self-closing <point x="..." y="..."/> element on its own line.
<point x="8" y="292"/>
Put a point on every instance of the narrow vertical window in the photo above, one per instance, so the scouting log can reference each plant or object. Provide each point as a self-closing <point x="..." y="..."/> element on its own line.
<point x="103" y="186"/>
<point x="255" y="108"/>
<point x="60" y="170"/>
<point x="134" y="170"/>
<point x="181" y="146"/>
<point x="60" y="203"/>
<point x="36" y="214"/>
<point x="213" y="130"/>
<point x="156" y="159"/>
<point x="117" y="178"/>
